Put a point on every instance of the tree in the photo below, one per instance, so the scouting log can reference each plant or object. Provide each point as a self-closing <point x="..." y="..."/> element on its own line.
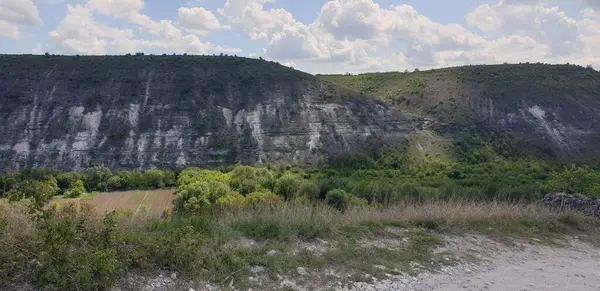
<point x="288" y="186"/>
<point x="76" y="190"/>
<point x="97" y="177"/>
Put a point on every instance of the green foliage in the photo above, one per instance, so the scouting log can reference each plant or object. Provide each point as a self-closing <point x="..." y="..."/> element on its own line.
<point x="574" y="179"/>
<point x="341" y="200"/>
<point x="198" y="196"/>
<point x="263" y="199"/>
<point x="153" y="179"/>
<point x="246" y="179"/>
<point x="288" y="186"/>
<point x="65" y="180"/>
<point x="77" y="189"/>
<point x="39" y="191"/>
<point x="96" y="178"/>
<point x="191" y="175"/>
<point x="232" y="199"/>
<point x="260" y="229"/>
<point x="74" y="255"/>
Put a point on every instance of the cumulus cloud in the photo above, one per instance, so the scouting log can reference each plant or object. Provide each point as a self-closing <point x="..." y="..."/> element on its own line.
<point x="547" y="25"/>
<point x="17" y="13"/>
<point x="199" y="20"/>
<point x="344" y="35"/>
<point x="80" y="32"/>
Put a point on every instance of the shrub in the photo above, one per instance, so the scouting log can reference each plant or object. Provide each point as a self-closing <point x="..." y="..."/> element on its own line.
<point x="308" y="189"/>
<point x="261" y="229"/>
<point x="73" y="254"/>
<point x="341" y="200"/>
<point x="64" y="180"/>
<point x="233" y="199"/>
<point x="191" y="175"/>
<point x="263" y="198"/>
<point x="246" y="179"/>
<point x="76" y="190"/>
<point x="153" y="179"/>
<point x="40" y="192"/>
<point x="574" y="179"/>
<point x="116" y="182"/>
<point x="288" y="186"/>
<point x="97" y="177"/>
<point x="197" y="196"/>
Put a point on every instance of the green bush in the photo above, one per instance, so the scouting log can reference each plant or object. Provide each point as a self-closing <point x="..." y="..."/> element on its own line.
<point x="96" y="178"/>
<point x="260" y="229"/>
<point x="198" y="196"/>
<point x="191" y="175"/>
<point x="65" y="180"/>
<point x="73" y="254"/>
<point x="288" y="186"/>
<point x="232" y="199"/>
<point x="263" y="199"/>
<point x="574" y="179"/>
<point x="246" y="179"/>
<point x="341" y="200"/>
<point x="76" y="190"/>
<point x="153" y="179"/>
<point x="40" y="192"/>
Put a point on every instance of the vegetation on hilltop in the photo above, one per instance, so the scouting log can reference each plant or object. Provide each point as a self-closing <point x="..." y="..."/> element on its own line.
<point x="191" y="74"/>
<point x="446" y="94"/>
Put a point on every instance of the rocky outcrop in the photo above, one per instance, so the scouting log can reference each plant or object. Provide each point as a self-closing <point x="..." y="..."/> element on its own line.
<point x="138" y="112"/>
<point x="564" y="202"/>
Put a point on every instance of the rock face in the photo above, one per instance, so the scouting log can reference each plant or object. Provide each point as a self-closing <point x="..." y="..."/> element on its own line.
<point x="564" y="202"/>
<point x="139" y="112"/>
<point x="553" y="109"/>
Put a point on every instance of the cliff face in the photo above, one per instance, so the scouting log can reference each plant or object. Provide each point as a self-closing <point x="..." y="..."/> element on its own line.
<point x="554" y="108"/>
<point x="140" y="112"/>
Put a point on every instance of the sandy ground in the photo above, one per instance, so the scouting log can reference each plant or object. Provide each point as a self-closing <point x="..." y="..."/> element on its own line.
<point x="536" y="268"/>
<point x="574" y="266"/>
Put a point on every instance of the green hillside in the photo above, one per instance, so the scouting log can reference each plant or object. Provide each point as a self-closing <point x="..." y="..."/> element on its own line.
<point x="448" y="94"/>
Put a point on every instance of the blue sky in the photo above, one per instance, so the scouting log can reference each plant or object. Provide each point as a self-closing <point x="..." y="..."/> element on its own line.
<point x="318" y="36"/>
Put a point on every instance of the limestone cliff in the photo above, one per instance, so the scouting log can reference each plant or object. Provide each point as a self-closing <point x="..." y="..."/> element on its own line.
<point x="138" y="112"/>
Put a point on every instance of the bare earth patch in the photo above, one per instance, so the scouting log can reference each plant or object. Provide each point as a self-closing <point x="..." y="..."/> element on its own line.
<point x="479" y="263"/>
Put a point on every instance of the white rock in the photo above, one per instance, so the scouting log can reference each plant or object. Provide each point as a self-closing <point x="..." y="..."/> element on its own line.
<point x="271" y="252"/>
<point x="191" y="289"/>
<point x="302" y="271"/>
<point x="173" y="276"/>
<point x="257" y="269"/>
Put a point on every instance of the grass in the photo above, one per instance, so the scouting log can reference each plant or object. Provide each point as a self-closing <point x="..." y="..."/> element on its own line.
<point x="213" y="246"/>
<point x="446" y="94"/>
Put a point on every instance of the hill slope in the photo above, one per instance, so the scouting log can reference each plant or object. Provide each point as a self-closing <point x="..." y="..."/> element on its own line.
<point x="555" y="108"/>
<point x="69" y="112"/>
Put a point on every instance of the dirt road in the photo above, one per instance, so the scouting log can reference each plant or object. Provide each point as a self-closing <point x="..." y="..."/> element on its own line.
<point x="574" y="266"/>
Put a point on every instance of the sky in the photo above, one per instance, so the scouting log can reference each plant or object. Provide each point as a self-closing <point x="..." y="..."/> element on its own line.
<point x="317" y="36"/>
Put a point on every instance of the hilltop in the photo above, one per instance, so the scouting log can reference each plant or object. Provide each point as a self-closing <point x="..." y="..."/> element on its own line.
<point x="555" y="108"/>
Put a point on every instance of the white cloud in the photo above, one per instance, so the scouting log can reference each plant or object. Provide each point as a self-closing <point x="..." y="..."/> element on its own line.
<point x="251" y="17"/>
<point x="547" y="25"/>
<point x="199" y="20"/>
<point x="15" y="13"/>
<point x="116" y="8"/>
<point x="344" y="35"/>
<point x="78" y="32"/>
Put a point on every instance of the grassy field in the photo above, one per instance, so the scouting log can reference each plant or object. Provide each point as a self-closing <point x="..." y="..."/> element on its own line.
<point x="141" y="203"/>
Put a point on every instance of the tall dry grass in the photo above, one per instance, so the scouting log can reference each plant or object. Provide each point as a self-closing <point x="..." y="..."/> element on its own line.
<point x="451" y="213"/>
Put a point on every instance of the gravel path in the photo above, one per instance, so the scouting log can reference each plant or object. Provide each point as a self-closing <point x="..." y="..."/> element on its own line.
<point x="525" y="267"/>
